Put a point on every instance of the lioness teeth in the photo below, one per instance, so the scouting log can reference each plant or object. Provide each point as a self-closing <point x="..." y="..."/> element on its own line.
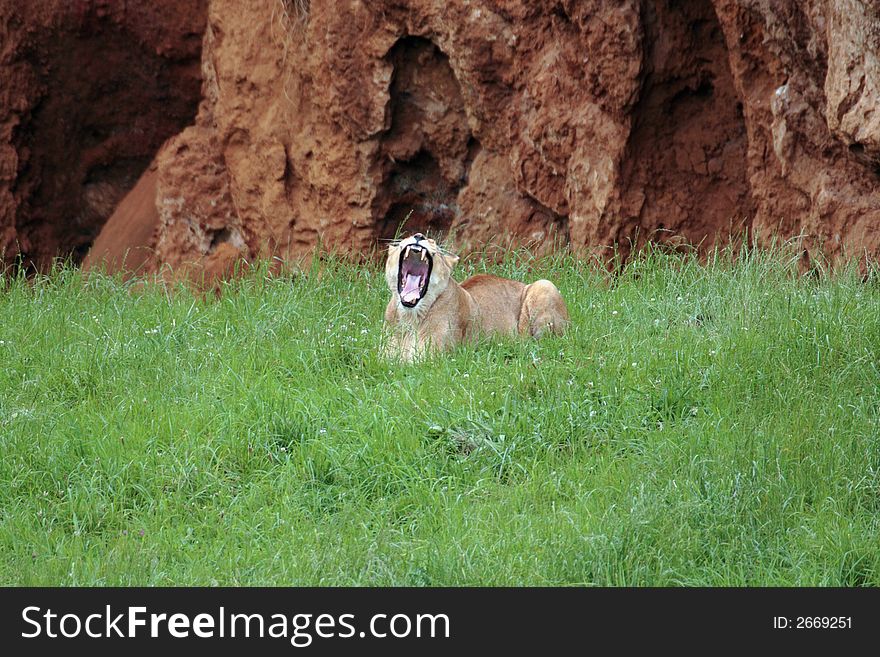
<point x="423" y="254"/>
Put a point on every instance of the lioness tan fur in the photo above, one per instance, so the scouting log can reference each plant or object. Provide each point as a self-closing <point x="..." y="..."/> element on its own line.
<point x="447" y="313"/>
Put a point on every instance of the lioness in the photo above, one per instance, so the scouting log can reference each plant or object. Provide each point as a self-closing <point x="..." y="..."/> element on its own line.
<point x="430" y="310"/>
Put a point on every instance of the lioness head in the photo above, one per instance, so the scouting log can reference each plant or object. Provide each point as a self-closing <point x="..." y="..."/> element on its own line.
<point x="418" y="271"/>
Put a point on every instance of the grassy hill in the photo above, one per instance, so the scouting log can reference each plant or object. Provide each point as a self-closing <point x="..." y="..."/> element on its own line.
<point x="701" y="424"/>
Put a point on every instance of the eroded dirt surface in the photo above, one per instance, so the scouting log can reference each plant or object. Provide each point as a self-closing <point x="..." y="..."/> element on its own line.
<point x="90" y="91"/>
<point x="526" y="122"/>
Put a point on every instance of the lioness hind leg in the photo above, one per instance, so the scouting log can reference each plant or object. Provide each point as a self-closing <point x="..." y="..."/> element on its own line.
<point x="543" y="310"/>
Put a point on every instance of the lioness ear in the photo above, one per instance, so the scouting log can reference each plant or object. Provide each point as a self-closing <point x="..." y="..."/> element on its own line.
<point x="450" y="259"/>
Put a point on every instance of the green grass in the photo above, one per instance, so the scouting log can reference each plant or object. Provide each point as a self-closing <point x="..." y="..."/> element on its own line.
<point x="711" y="424"/>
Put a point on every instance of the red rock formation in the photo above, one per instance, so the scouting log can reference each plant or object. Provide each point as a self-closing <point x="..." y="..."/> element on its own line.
<point x="89" y="91"/>
<point x="812" y="178"/>
<point x="527" y="121"/>
<point x="124" y="241"/>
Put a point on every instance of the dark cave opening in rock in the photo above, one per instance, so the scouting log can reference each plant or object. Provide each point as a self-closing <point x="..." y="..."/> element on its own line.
<point x="423" y="201"/>
<point x="107" y="99"/>
<point x="686" y="174"/>
<point x="428" y="147"/>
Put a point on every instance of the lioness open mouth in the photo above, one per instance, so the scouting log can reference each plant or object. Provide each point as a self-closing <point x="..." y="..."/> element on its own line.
<point x="413" y="274"/>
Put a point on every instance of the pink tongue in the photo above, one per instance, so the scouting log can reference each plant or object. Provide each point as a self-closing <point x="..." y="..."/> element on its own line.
<point x="411" y="288"/>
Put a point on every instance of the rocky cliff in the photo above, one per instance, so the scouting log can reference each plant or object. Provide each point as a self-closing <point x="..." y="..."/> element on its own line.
<point x="89" y="91"/>
<point x="595" y="123"/>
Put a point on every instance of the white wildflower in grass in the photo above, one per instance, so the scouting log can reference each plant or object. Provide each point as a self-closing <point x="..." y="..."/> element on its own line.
<point x="613" y="312"/>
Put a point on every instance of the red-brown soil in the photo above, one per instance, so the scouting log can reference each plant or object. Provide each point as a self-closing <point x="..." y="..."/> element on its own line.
<point x="90" y="91"/>
<point x="593" y="123"/>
